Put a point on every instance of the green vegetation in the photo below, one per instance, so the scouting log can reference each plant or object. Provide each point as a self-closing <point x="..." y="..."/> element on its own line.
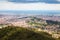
<point x="34" y="21"/>
<point x="50" y="22"/>
<point x="18" y="33"/>
<point x="58" y="38"/>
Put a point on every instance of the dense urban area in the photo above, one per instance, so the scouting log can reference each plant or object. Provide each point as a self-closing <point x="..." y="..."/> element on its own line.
<point x="34" y="27"/>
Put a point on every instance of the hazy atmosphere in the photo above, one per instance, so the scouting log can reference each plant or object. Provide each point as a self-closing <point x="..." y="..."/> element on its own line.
<point x="29" y="19"/>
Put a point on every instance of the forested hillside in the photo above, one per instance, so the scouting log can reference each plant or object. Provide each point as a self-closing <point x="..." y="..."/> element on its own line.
<point x="18" y="33"/>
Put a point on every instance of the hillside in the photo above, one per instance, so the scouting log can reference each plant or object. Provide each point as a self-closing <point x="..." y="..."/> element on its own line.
<point x="18" y="33"/>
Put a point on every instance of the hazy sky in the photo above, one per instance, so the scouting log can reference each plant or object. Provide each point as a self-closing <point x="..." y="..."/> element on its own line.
<point x="29" y="4"/>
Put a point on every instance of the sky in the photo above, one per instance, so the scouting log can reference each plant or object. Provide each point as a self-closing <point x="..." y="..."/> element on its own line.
<point x="27" y="1"/>
<point x="29" y="4"/>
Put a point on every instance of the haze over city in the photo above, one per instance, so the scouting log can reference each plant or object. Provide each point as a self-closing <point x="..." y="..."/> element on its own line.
<point x="29" y="19"/>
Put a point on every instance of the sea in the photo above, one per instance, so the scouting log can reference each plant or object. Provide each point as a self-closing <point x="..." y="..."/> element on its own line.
<point x="30" y="12"/>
